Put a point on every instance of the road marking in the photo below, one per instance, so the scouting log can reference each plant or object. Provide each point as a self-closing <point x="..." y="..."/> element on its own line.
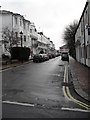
<point x="65" y="94"/>
<point x="74" y="109"/>
<point x="64" y="86"/>
<point x="77" y="101"/>
<point x="58" y="75"/>
<point x="68" y="95"/>
<point x="18" y="103"/>
<point x="65" y="74"/>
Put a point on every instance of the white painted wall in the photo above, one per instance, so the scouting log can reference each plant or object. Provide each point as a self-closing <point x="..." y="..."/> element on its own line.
<point x="9" y="20"/>
<point x="80" y="36"/>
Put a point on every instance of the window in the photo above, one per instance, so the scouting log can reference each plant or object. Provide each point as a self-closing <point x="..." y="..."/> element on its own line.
<point x="20" y="22"/>
<point x="28" y="26"/>
<point x="30" y="30"/>
<point x="89" y="31"/>
<point x="88" y="51"/>
<point x="82" y="26"/>
<point x="28" y="38"/>
<point x="82" y="52"/>
<point x="24" y="38"/>
<point x="16" y="20"/>
<point x="16" y="34"/>
<point x="35" y="30"/>
<point x="24" y="25"/>
<point x="85" y="18"/>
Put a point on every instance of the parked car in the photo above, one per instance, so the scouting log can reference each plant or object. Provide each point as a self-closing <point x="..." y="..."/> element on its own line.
<point x="53" y="55"/>
<point x="37" y="58"/>
<point x="45" y="56"/>
<point x="57" y="54"/>
<point x="49" y="55"/>
<point x="65" y="56"/>
<point x="40" y="57"/>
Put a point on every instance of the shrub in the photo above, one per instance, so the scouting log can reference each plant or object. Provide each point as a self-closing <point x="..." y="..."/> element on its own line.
<point x="20" y="53"/>
<point x="5" y="57"/>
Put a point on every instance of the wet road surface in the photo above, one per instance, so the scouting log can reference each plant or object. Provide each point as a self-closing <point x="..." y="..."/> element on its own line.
<point x="39" y="84"/>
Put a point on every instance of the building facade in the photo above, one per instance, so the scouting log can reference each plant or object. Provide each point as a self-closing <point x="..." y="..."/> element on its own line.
<point x="82" y="37"/>
<point x="0" y="36"/>
<point x="34" y="38"/>
<point x="45" y="44"/>
<point x="15" y="27"/>
<point x="19" y="32"/>
<point x="18" y="29"/>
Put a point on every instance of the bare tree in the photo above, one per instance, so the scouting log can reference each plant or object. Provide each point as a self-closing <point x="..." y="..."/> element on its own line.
<point x="69" y="37"/>
<point x="9" y="39"/>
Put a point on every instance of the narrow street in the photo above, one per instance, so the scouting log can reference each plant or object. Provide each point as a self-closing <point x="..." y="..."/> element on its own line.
<point x="35" y="90"/>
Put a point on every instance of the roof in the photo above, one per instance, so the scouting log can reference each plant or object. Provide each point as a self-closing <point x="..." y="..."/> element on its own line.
<point x="82" y="15"/>
<point x="16" y="14"/>
<point x="64" y="47"/>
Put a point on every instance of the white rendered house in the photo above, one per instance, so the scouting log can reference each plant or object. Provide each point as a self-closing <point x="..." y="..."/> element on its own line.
<point x="18" y="27"/>
<point x="82" y="37"/>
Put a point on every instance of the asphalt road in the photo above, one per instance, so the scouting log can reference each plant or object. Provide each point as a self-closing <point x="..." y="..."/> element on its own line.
<point x="35" y="90"/>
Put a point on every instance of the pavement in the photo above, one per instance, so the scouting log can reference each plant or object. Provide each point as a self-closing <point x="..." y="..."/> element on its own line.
<point x="80" y="76"/>
<point x="14" y="64"/>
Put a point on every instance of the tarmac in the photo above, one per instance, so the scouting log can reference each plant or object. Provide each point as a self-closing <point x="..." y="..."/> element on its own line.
<point x="80" y="76"/>
<point x="14" y="64"/>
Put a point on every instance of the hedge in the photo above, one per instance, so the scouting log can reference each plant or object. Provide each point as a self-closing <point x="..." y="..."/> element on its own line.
<point x="20" y="53"/>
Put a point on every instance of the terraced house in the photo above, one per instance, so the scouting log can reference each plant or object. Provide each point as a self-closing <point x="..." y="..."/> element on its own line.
<point x="17" y="31"/>
<point x="45" y="44"/>
<point x="82" y="37"/>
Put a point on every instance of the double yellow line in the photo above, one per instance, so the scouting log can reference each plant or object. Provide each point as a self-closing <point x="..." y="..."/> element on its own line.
<point x="67" y="93"/>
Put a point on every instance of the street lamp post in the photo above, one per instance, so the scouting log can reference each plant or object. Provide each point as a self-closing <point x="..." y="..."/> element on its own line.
<point x="21" y="34"/>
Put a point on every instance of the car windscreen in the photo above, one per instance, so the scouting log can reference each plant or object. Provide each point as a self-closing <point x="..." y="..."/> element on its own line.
<point x="65" y="54"/>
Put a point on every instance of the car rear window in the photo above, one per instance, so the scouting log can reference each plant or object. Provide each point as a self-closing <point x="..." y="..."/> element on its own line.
<point x="64" y="54"/>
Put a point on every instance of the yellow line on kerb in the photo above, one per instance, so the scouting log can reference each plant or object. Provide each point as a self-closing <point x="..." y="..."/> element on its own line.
<point x="65" y="93"/>
<point x="69" y="97"/>
<point x="68" y="91"/>
<point x="64" y="86"/>
<point x="77" y="101"/>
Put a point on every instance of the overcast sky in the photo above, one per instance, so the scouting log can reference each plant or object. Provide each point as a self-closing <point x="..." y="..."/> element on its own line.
<point x="49" y="16"/>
